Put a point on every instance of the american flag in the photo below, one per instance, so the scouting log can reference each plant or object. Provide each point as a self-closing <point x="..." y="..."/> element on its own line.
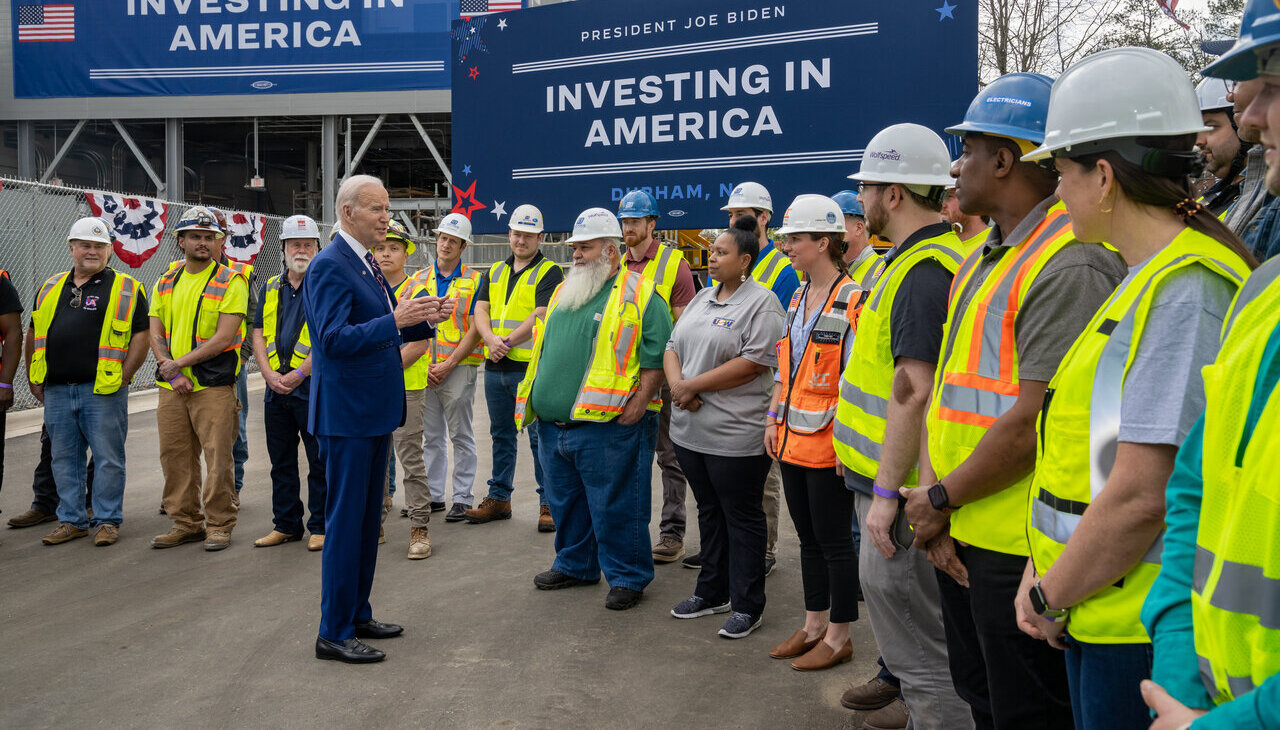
<point x="472" y="8"/>
<point x="39" y="23"/>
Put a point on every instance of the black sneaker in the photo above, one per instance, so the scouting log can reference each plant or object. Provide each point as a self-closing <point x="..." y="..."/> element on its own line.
<point x="620" y="599"/>
<point x="739" y="625"/>
<point x="551" y="580"/>
<point x="697" y="606"/>
<point x="404" y="512"/>
<point x="693" y="562"/>
<point x="457" y="513"/>
<point x="769" y="565"/>
<point x="437" y="506"/>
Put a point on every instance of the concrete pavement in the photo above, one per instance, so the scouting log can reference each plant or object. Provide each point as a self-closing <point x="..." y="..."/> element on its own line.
<point x="129" y="636"/>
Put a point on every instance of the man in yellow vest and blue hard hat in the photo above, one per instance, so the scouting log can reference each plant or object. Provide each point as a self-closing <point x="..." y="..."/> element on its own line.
<point x="1211" y="613"/>
<point x="599" y="352"/>
<point x="864" y="263"/>
<point x="88" y="336"/>
<point x="282" y="347"/>
<point x="673" y="280"/>
<point x="197" y="311"/>
<point x="884" y="392"/>
<point x="1019" y="302"/>
<point x="512" y="295"/>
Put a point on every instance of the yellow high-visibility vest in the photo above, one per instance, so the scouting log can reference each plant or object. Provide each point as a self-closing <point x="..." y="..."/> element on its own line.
<point x="663" y="269"/>
<point x="867" y="268"/>
<point x="415" y="376"/>
<point x="505" y="315"/>
<point x="1080" y="425"/>
<point x="766" y="270"/>
<point x="270" y="319"/>
<point x="113" y="341"/>
<point x="450" y="332"/>
<point x="206" y="324"/>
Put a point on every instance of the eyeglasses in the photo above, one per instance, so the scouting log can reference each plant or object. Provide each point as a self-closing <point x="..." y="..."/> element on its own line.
<point x="77" y="297"/>
<point x="862" y="186"/>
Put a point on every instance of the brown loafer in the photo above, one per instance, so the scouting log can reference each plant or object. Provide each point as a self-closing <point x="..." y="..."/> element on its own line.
<point x="823" y="656"/>
<point x="796" y="646"/>
<point x="31" y="518"/>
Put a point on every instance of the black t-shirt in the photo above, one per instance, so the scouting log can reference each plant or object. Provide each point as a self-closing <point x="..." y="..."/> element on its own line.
<point x="10" y="302"/>
<point x="71" y="348"/>
<point x="920" y="307"/>
<point x="541" y="297"/>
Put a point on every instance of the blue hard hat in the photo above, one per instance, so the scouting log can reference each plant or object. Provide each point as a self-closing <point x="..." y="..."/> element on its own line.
<point x="848" y="202"/>
<point x="1014" y="105"/>
<point x="1260" y="27"/>
<point x="637" y="204"/>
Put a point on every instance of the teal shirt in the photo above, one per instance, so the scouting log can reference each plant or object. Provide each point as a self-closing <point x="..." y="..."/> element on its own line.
<point x="565" y="354"/>
<point x="1167" y="611"/>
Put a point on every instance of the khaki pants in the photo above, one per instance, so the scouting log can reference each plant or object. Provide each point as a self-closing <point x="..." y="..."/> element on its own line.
<point x="408" y="446"/>
<point x="772" y="505"/>
<point x="205" y="421"/>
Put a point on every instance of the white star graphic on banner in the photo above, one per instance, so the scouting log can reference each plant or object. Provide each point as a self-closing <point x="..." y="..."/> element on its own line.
<point x="502" y="23"/>
<point x="499" y="209"/>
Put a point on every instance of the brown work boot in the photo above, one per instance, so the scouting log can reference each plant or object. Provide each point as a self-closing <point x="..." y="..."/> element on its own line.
<point x="893" y="716"/>
<point x="545" y="522"/>
<point x="315" y="543"/>
<point x="64" y="532"/>
<point x="488" y="511"/>
<point x="107" y="534"/>
<point x="175" y="537"/>
<point x="275" y="537"/>
<point x="668" y="550"/>
<point x="31" y="518"/>
<point x="870" y="695"/>
<point x="217" y="540"/>
<point x="419" y="543"/>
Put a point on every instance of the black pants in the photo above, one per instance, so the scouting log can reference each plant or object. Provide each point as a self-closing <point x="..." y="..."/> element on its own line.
<point x="285" y="418"/>
<point x="821" y="509"/>
<point x="44" y="488"/>
<point x="729" y="491"/>
<point x="1009" y="679"/>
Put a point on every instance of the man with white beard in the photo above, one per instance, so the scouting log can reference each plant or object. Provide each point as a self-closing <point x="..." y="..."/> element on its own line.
<point x="596" y="409"/>
<point x="282" y="347"/>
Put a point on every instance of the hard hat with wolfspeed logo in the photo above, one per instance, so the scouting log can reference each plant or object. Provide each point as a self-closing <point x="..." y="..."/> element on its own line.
<point x="812" y="214"/>
<point x="908" y="154"/>
<point x="526" y="218"/>
<point x="299" y="226"/>
<point x="595" y="223"/>
<point x="90" y="229"/>
<point x="749" y="195"/>
<point x="456" y="225"/>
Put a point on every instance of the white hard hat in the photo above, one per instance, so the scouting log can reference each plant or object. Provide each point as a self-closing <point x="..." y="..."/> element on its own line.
<point x="299" y="226"/>
<point x="1119" y="94"/>
<point x="526" y="218"/>
<point x="595" y="223"/>
<point x="749" y="195"/>
<point x="1212" y="94"/>
<point x="812" y="214"/>
<point x="455" y="224"/>
<point x="90" y="229"/>
<point x="908" y="154"/>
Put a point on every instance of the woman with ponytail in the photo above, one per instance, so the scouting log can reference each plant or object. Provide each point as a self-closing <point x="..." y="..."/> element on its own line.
<point x="1121" y="131"/>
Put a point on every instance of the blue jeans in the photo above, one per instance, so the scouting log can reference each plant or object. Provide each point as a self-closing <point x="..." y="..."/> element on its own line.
<point x="76" y="419"/>
<point x="240" y="450"/>
<point x="598" y="477"/>
<point x="500" y="393"/>
<point x="1104" y="682"/>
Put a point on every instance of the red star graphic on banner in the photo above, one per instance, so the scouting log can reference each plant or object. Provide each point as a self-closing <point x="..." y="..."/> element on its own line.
<point x="466" y="200"/>
<point x="475" y="71"/>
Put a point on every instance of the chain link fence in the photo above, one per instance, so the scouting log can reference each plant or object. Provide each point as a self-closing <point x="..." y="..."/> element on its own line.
<point x="35" y="218"/>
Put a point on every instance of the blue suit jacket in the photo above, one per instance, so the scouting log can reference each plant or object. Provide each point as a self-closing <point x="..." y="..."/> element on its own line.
<point x="357" y="381"/>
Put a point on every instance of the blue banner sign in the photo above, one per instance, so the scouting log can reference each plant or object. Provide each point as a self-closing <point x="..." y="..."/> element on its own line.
<point x="67" y="48"/>
<point x="570" y="106"/>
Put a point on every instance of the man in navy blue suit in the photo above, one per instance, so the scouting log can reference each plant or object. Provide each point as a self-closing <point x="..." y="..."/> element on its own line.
<point x="357" y="327"/>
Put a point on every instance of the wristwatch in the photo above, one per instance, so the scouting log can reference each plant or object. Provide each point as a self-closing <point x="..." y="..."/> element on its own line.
<point x="939" y="499"/>
<point x="1040" y="606"/>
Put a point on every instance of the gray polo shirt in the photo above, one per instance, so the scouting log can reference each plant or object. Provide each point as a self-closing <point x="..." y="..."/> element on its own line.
<point x="710" y="333"/>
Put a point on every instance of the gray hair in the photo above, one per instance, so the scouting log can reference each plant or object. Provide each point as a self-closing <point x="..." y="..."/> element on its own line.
<point x="349" y="191"/>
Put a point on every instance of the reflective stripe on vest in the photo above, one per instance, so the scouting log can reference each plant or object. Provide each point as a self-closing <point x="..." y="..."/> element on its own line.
<point x="1073" y="463"/>
<point x="270" y="320"/>
<point x="663" y="270"/>
<point x="507" y="314"/>
<point x="1235" y="598"/>
<point x="113" y="340"/>
<point x="450" y="332"/>
<point x="866" y="271"/>
<point x="808" y="406"/>
<point x="977" y="378"/>
<point x="613" y="372"/>
<point x="415" y="376"/>
<point x="867" y="381"/>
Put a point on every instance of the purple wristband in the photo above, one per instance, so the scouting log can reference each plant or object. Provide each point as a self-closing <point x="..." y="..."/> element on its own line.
<point x="880" y="491"/>
<point x="6" y="385"/>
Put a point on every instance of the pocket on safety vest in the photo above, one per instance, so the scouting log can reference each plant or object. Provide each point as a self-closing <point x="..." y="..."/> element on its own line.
<point x="824" y="375"/>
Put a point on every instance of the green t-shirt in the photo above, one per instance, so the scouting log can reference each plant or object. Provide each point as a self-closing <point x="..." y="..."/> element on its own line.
<point x="566" y="354"/>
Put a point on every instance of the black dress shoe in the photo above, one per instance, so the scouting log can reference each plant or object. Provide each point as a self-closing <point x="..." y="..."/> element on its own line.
<point x="620" y="599"/>
<point x="377" y="630"/>
<point x="351" y="651"/>
<point x="437" y="506"/>
<point x="457" y="513"/>
<point x="550" y="580"/>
